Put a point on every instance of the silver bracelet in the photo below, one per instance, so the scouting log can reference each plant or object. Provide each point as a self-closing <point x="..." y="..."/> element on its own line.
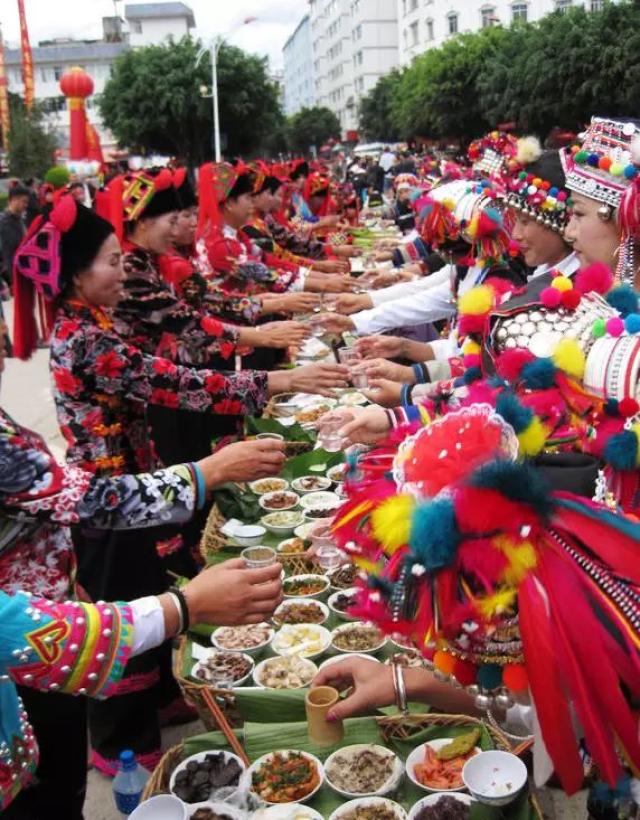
<point x="400" y="688"/>
<point x="176" y="603"/>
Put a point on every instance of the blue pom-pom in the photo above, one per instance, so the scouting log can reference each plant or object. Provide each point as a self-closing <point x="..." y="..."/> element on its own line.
<point x="496" y="381"/>
<point x="459" y="382"/>
<point x="471" y="375"/>
<point x="434" y="534"/>
<point x="621" y="451"/>
<point x="593" y="160"/>
<point x="631" y="172"/>
<point x="624" y="299"/>
<point x="611" y="407"/>
<point x="490" y="676"/>
<point x="554" y="191"/>
<point x="514" y="413"/>
<point x="518" y="482"/>
<point x="632" y="323"/>
<point x="539" y="374"/>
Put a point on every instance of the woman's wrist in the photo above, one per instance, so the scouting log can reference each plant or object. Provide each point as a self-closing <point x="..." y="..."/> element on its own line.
<point x="171" y="615"/>
<point x="278" y="381"/>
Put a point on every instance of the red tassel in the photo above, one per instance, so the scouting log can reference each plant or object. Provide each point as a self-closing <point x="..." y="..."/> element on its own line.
<point x="25" y="329"/>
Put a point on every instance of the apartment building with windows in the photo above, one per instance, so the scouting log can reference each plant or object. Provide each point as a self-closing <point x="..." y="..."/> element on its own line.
<point x="299" y="78"/>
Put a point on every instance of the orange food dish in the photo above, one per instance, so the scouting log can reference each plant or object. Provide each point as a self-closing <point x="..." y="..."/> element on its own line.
<point x="286" y="778"/>
<point x="442" y="775"/>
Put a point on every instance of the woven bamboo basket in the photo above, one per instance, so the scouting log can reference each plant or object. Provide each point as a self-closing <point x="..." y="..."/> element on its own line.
<point x="212" y="539"/>
<point x="158" y="783"/>
<point x="299" y="565"/>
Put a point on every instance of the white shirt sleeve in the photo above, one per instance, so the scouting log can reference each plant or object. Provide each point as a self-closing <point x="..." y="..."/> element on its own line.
<point x="444" y="349"/>
<point x="427" y="306"/>
<point x="148" y="624"/>
<point x="402" y="289"/>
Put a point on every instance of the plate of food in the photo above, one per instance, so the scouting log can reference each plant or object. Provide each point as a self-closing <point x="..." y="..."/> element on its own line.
<point x="342" y="600"/>
<point x="369" y="808"/>
<point x="268" y="485"/>
<point x="325" y="501"/>
<point x="196" y="778"/>
<point x="279" y="500"/>
<point x="301" y="611"/>
<point x="359" y="637"/>
<point x="305" y="586"/>
<point x="284" y="673"/>
<point x="311" y="414"/>
<point x="304" y="640"/>
<point x="343" y="577"/>
<point x="251" y="639"/>
<point x="286" y="776"/>
<point x="291" y="546"/>
<point x="353" y="399"/>
<point x="363" y="770"/>
<point x="310" y="484"/>
<point x="289" y="811"/>
<point x="436" y="766"/>
<point x="223" y="666"/>
<point x="442" y="806"/>
<point x="215" y="810"/>
<point x="338" y="473"/>
<point x="282" y="523"/>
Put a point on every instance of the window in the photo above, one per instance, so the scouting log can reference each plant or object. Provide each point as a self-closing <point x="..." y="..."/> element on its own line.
<point x="487" y="16"/>
<point x="44" y="75"/>
<point x="136" y="27"/>
<point x="405" y="38"/>
<point x="452" y="22"/>
<point x="404" y="7"/>
<point x="413" y="5"/>
<point x="520" y="12"/>
<point x="563" y="5"/>
<point x="597" y="5"/>
<point x="430" y="31"/>
<point x="58" y="71"/>
<point x="413" y="28"/>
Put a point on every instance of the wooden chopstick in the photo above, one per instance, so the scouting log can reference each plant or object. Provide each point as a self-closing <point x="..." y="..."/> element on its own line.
<point x="219" y="715"/>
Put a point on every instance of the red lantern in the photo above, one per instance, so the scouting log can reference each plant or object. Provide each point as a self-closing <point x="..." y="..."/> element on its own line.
<point x="76" y="83"/>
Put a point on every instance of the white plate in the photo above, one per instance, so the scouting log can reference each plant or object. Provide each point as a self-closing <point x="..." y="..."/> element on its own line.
<point x="387" y="787"/>
<point x="254" y="486"/>
<point x="417" y="756"/>
<point x="256" y="766"/>
<point x="432" y="799"/>
<point x="291" y="630"/>
<point x="340" y="812"/>
<point x="199" y="757"/>
<point x="320" y="501"/>
<point x="287" y="811"/>
<point x="257" y="674"/>
<point x="290" y="601"/>
<point x="303" y="530"/>
<point x="294" y="500"/>
<point x="337" y="473"/>
<point x="339" y="658"/>
<point x="296" y="519"/>
<point x="296" y="485"/>
<point x="355" y="399"/>
<point x="304" y="577"/>
<point x="210" y="653"/>
<point x="331" y="604"/>
<point x="348" y="627"/>
<point x="249" y="650"/>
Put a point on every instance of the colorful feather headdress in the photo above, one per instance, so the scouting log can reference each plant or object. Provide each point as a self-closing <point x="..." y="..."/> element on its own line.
<point x="499" y="581"/>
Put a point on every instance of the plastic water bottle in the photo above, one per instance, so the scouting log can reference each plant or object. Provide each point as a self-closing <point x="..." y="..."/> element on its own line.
<point x="129" y="783"/>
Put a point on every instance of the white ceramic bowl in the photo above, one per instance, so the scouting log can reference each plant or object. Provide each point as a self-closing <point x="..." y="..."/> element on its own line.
<point x="219" y="807"/>
<point x="281" y="548"/>
<point x="291" y="601"/>
<point x="432" y="799"/>
<point x="320" y="501"/>
<point x="353" y="399"/>
<point x="161" y="807"/>
<point x="285" y="404"/>
<point x="258" y="485"/>
<point x="339" y="658"/>
<point x="287" y="811"/>
<point x="337" y="473"/>
<point x="343" y="810"/>
<point x="249" y="535"/>
<point x="334" y="597"/>
<point x="249" y="650"/>
<point x="256" y="766"/>
<point x="294" y="519"/>
<point x="199" y="757"/>
<point x="306" y="576"/>
<point x="303" y="530"/>
<point x="349" y="627"/>
<point x="390" y="785"/>
<point x="494" y="778"/>
<point x="260" y="668"/>
<point x="320" y="482"/>
<point x="280" y="643"/>
<point x="417" y="756"/>
<point x="330" y="576"/>
<point x="238" y="682"/>
<point x="293" y="500"/>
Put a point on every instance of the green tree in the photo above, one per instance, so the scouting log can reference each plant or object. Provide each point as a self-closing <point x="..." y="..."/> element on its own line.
<point x="31" y="144"/>
<point x="378" y="109"/>
<point x="153" y="102"/>
<point x="312" y="126"/>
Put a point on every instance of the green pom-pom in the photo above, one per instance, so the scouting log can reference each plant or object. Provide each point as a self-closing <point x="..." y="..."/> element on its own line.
<point x="490" y="676"/>
<point x="599" y="328"/>
<point x="581" y="157"/>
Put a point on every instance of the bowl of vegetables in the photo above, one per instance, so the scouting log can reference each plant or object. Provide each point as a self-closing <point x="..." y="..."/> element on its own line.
<point x="223" y="666"/>
<point x="369" y="808"/>
<point x="301" y="611"/>
<point x="436" y="766"/>
<point x="363" y="770"/>
<point x="196" y="778"/>
<point x="286" y="776"/>
<point x="341" y="601"/>
<point x="358" y="637"/>
<point x="282" y="522"/>
<point x="268" y="485"/>
<point x="343" y="577"/>
<point x="251" y="639"/>
<point x="442" y="806"/>
<point x="305" y="586"/>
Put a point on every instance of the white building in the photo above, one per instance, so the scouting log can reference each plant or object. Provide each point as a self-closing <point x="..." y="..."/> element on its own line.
<point x="152" y="23"/>
<point x="425" y="24"/>
<point x="146" y="24"/>
<point x="299" y="79"/>
<point x="354" y="42"/>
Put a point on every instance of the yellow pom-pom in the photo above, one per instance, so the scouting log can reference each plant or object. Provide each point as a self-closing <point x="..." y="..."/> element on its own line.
<point x="449" y="204"/>
<point x="533" y="439"/>
<point x="522" y="558"/>
<point x="562" y="283"/>
<point x="477" y="301"/>
<point x="568" y="356"/>
<point x="529" y="150"/>
<point x="497" y="604"/>
<point x="391" y="522"/>
<point x="471" y="348"/>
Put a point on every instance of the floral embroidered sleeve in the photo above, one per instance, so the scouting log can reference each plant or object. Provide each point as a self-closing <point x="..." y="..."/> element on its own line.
<point x="229" y="257"/>
<point x="301" y="244"/>
<point x="232" y="307"/>
<point x="105" y="364"/>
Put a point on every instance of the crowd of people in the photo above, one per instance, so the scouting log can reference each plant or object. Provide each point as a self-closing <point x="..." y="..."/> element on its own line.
<point x="507" y="307"/>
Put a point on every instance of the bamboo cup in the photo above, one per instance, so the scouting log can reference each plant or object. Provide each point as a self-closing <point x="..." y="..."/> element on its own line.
<point x="318" y="702"/>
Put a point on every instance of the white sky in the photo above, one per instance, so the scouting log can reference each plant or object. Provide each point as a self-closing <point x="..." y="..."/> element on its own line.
<point x="81" y="19"/>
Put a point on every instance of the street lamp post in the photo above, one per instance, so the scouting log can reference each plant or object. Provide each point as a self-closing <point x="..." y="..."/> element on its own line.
<point x="214" y="51"/>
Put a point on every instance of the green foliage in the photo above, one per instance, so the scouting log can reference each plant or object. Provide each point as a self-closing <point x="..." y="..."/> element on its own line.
<point x="153" y="103"/>
<point x="31" y="145"/>
<point x="58" y="176"/>
<point x="558" y="71"/>
<point x="311" y="126"/>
